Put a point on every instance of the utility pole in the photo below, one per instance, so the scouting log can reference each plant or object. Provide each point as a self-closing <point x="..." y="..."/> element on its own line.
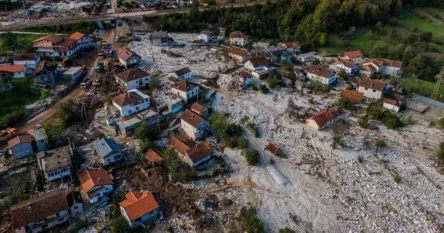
<point x="439" y="81"/>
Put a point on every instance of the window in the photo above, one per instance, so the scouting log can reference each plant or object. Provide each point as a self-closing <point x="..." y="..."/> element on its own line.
<point x="374" y="90"/>
<point x="366" y="88"/>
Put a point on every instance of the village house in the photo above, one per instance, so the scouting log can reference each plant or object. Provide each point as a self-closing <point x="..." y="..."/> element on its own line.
<point x="236" y="53"/>
<point x="192" y="153"/>
<point x="322" y="75"/>
<point x="153" y="157"/>
<point x="83" y="42"/>
<point x="17" y="71"/>
<point x="55" y="164"/>
<point x="293" y="47"/>
<point x="160" y="39"/>
<point x="107" y="150"/>
<point x="391" y="67"/>
<point x="175" y="105"/>
<point x="133" y="79"/>
<point x="131" y="102"/>
<point x="73" y="73"/>
<point x="391" y="104"/>
<point x="354" y="56"/>
<point x="204" y="36"/>
<point x="129" y="58"/>
<point x="199" y="109"/>
<point x="322" y="119"/>
<point x="306" y="57"/>
<point x="95" y="184"/>
<point x="45" y="74"/>
<point x="55" y="46"/>
<point x="222" y="32"/>
<point x="237" y="38"/>
<point x="21" y="146"/>
<point x="193" y="125"/>
<point x="40" y="137"/>
<point x="245" y="79"/>
<point x="278" y="55"/>
<point x="258" y="66"/>
<point x="29" y="60"/>
<point x="40" y="213"/>
<point x="6" y="80"/>
<point x="139" y="208"/>
<point x="369" y="68"/>
<point x="185" y="90"/>
<point x="273" y="149"/>
<point x="348" y="66"/>
<point x="372" y="88"/>
<point x="183" y="74"/>
<point x="355" y="97"/>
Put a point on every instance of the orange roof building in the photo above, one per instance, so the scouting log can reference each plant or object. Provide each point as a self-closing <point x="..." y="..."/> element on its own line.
<point x="153" y="156"/>
<point x="139" y="207"/>
<point x="192" y="153"/>
<point x="95" y="184"/>
<point x="354" y="96"/>
<point x="322" y="119"/>
<point x="352" y="55"/>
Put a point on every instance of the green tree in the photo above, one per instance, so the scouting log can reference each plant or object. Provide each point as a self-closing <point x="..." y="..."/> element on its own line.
<point x="120" y="225"/>
<point x="440" y="153"/>
<point x="155" y="82"/>
<point x="343" y="75"/>
<point x="252" y="157"/>
<point x="287" y="230"/>
<point x="242" y="143"/>
<point x="250" y="222"/>
<point x="179" y="171"/>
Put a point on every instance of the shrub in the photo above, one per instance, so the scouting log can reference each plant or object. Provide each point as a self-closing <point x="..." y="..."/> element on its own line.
<point x="264" y="89"/>
<point x="120" y="225"/>
<point x="250" y="222"/>
<point x="441" y="123"/>
<point x="252" y="157"/>
<point x="345" y="103"/>
<point x="381" y="143"/>
<point x="287" y="230"/>
<point x="274" y="81"/>
<point x="363" y="121"/>
<point x="242" y="143"/>
<point x="440" y="153"/>
<point x="179" y="171"/>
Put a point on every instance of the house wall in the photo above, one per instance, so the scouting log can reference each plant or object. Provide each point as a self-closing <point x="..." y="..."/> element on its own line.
<point x="185" y="96"/>
<point x="370" y="93"/>
<point x="249" y="66"/>
<point x="19" y="74"/>
<point x="42" y="144"/>
<point x="22" y="150"/>
<point x="57" y="174"/>
<point x="317" y="78"/>
<point x="311" y="123"/>
<point x="76" y="209"/>
<point x="134" y="84"/>
<point x="188" y="129"/>
<point x="391" y="107"/>
<point x="45" y="224"/>
<point x="130" y="61"/>
<point x="237" y="57"/>
<point x="186" y="76"/>
<point x="108" y="189"/>
<point x="203" y="37"/>
<point x="175" y="107"/>
<point x="238" y="41"/>
<point x="111" y="158"/>
<point x="85" y="42"/>
<point x="130" y="109"/>
<point x="202" y="161"/>
<point x="28" y="63"/>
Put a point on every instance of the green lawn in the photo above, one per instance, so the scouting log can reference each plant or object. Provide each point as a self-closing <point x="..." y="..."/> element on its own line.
<point x="20" y="42"/>
<point x="18" y="97"/>
<point x="411" y="21"/>
<point x="423" y="88"/>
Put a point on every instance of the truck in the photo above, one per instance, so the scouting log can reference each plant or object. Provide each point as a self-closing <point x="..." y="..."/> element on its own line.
<point x="7" y="134"/>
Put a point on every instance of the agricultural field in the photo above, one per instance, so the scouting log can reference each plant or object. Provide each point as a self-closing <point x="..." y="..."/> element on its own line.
<point x="427" y="20"/>
<point x="423" y="88"/>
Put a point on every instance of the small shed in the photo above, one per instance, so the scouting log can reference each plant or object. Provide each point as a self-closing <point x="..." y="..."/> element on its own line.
<point x="73" y="73"/>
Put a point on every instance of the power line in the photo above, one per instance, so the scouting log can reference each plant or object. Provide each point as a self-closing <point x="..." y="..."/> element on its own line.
<point x="438" y="84"/>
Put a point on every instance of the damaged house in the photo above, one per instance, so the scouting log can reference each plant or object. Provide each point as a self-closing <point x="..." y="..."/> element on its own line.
<point x="107" y="150"/>
<point x="193" y="153"/>
<point x="193" y="125"/>
<point x="185" y="90"/>
<point x="55" y="164"/>
<point x="139" y="208"/>
<point x="133" y="79"/>
<point x="95" y="184"/>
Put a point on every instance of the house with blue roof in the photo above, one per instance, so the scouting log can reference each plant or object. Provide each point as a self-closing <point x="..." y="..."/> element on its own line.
<point x="107" y="151"/>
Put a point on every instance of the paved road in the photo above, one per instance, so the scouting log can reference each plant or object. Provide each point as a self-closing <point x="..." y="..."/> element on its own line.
<point x="7" y="26"/>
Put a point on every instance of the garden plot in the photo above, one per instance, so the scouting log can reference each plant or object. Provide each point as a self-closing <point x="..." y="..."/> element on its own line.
<point x="202" y="60"/>
<point x="357" y="187"/>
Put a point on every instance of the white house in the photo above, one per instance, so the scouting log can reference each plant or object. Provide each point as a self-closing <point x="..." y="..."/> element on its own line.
<point x="183" y="74"/>
<point x="306" y="57"/>
<point x="29" y="60"/>
<point x="204" y="36"/>
<point x="322" y="119"/>
<point x="131" y="102"/>
<point x="237" y="38"/>
<point x="55" y="164"/>
<point x="258" y="66"/>
<point x="322" y="75"/>
<point x="354" y="56"/>
<point x="372" y="88"/>
<point x="83" y="41"/>
<point x="56" y="46"/>
<point x="133" y="79"/>
<point x="107" y="151"/>
<point x="41" y="212"/>
<point x="236" y="53"/>
<point x="391" y="104"/>
<point x="129" y="58"/>
<point x="139" y="208"/>
<point x="192" y="153"/>
<point x="293" y="47"/>
<point x="17" y="71"/>
<point x="95" y="184"/>
<point x="185" y="90"/>
<point x="193" y="125"/>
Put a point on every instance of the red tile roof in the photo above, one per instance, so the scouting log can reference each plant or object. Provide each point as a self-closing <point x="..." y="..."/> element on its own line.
<point x="183" y="85"/>
<point x="236" y="50"/>
<point x="289" y="44"/>
<point x="191" y="118"/>
<point x="127" y="99"/>
<point x="89" y="178"/>
<point x="237" y="34"/>
<point x="197" y="108"/>
<point x="352" y="54"/>
<point x="38" y="208"/>
<point x="153" y="156"/>
<point x="77" y="36"/>
<point x="259" y="61"/>
<point x="320" y="71"/>
<point x="391" y="63"/>
<point x="199" y="152"/>
<point x="53" y="38"/>
<point x="323" y="118"/>
<point x="178" y="145"/>
<point x="126" y="54"/>
<point x="132" y="74"/>
<point x="390" y="101"/>
<point x="354" y="96"/>
<point x="138" y="204"/>
<point x="12" y="68"/>
<point x="20" y="139"/>
<point x="272" y="148"/>
<point x="374" y="84"/>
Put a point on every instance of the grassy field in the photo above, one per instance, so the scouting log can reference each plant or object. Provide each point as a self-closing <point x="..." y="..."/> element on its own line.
<point x="422" y="87"/>
<point x="20" y="42"/>
<point x="18" y="97"/>
<point x="427" y="23"/>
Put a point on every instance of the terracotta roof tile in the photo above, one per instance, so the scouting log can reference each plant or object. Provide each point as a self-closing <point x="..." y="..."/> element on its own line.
<point x="259" y="61"/>
<point x="125" y="54"/>
<point x="153" y="156"/>
<point x="127" y="99"/>
<point x="178" y="145"/>
<point x="323" y="118"/>
<point x="354" y="96"/>
<point x="197" y="108"/>
<point x="272" y="148"/>
<point x="89" y="178"/>
<point x="12" y="68"/>
<point x="53" y="38"/>
<point x="375" y="84"/>
<point x="191" y="118"/>
<point x="182" y="71"/>
<point x="38" y="208"/>
<point x="289" y="44"/>
<point x="391" y="63"/>
<point x="138" y="204"/>
<point x="236" y="50"/>
<point x="352" y="54"/>
<point x="23" y="56"/>
<point x="20" y="139"/>
<point x="199" y="152"/>
<point x="132" y="74"/>
<point x="320" y="71"/>
<point x="77" y="36"/>
<point x="183" y="85"/>
<point x="237" y="34"/>
<point x="390" y="101"/>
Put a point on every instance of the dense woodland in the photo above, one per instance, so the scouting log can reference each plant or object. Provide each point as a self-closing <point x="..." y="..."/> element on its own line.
<point x="310" y="21"/>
